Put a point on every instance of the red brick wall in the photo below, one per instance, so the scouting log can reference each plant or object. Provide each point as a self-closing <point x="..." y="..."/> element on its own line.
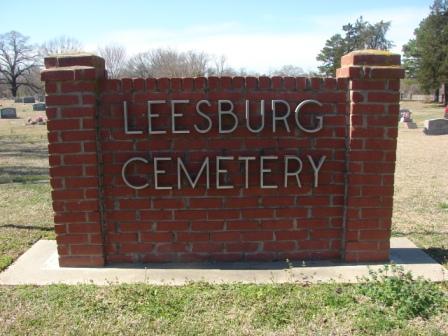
<point x="99" y="219"/>
<point x="373" y="109"/>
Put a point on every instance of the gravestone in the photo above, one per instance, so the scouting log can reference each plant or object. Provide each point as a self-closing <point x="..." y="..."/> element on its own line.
<point x="18" y="100"/>
<point x="436" y="126"/>
<point x="8" y="113"/>
<point x="39" y="107"/>
<point x="406" y="120"/>
<point x="29" y="100"/>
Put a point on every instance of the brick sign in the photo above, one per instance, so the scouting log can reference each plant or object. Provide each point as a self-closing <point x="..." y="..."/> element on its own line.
<point x="222" y="169"/>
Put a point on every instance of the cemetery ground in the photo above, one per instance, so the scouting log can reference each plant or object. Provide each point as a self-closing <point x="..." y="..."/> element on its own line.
<point x="395" y="306"/>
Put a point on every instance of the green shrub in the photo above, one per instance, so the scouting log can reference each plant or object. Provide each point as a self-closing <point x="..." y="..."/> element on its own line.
<point x="409" y="297"/>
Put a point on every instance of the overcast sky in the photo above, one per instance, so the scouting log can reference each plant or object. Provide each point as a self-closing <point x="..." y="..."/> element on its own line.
<point x="256" y="35"/>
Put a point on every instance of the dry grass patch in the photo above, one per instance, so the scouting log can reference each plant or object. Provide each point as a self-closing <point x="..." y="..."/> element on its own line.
<point x="25" y="217"/>
<point x="25" y="206"/>
<point x="421" y="187"/>
<point x="23" y="148"/>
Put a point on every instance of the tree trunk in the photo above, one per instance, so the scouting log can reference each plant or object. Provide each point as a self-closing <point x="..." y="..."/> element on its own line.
<point x="14" y="87"/>
<point x="436" y="96"/>
<point x="445" y="92"/>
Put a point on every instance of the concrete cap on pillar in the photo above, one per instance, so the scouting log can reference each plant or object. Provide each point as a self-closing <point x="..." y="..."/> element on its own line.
<point x="74" y="59"/>
<point x="371" y="57"/>
<point x="69" y="67"/>
<point x="370" y="64"/>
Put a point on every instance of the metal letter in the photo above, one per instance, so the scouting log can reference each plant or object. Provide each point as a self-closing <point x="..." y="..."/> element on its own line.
<point x="297" y="112"/>
<point x="157" y="172"/>
<point x="202" y="114"/>
<point x="125" y="116"/>
<point x="253" y="130"/>
<point x="175" y="115"/>
<point x="153" y="115"/>
<point x="296" y="173"/>
<point x="316" y="169"/>
<point x="230" y="113"/>
<point x="180" y="165"/>
<point x="222" y="171"/>
<point x="123" y="173"/>
<point x="265" y="170"/>
<point x="246" y="160"/>
<point x="284" y="117"/>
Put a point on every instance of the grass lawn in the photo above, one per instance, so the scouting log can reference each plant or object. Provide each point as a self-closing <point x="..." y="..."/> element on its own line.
<point x="421" y="185"/>
<point x="420" y="213"/>
<point x="201" y="309"/>
<point x="25" y="200"/>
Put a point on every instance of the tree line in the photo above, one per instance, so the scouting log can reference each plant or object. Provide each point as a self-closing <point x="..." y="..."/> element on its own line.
<point x="21" y="63"/>
<point x="425" y="56"/>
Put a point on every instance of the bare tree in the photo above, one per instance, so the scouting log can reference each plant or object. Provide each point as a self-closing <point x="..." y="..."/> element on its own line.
<point x="115" y="58"/>
<point x="5" y="92"/>
<point x="33" y="84"/>
<point x="168" y="63"/>
<point x="289" y="70"/>
<point x="61" y="45"/>
<point x="195" y="64"/>
<point x="140" y="65"/>
<point x="221" y="68"/>
<point x="220" y="65"/>
<point x="18" y="61"/>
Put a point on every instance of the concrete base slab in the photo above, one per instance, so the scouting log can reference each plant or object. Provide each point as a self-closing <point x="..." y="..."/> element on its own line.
<point x="39" y="266"/>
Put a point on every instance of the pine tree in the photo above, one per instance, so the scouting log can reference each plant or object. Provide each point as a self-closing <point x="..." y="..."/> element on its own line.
<point x="426" y="56"/>
<point x="360" y="35"/>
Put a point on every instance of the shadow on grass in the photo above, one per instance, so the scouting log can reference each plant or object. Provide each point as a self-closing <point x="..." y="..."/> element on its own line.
<point x="27" y="227"/>
<point x="23" y="174"/>
<point x="438" y="254"/>
<point x="31" y="149"/>
<point x="430" y="242"/>
<point x="40" y="179"/>
<point x="420" y="233"/>
<point x="29" y="153"/>
<point x="14" y="169"/>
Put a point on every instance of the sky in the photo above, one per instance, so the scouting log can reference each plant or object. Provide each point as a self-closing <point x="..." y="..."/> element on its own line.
<point x="259" y="36"/>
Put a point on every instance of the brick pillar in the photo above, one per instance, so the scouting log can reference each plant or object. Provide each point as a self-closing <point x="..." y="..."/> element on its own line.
<point x="71" y="83"/>
<point x="374" y="83"/>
